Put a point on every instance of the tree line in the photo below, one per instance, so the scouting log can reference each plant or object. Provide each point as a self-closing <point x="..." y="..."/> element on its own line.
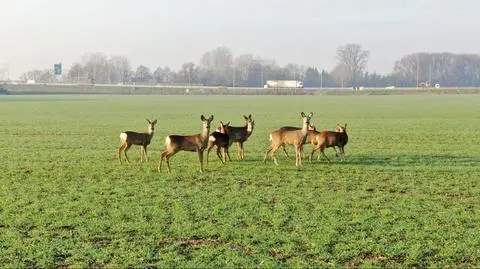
<point x="219" y="67"/>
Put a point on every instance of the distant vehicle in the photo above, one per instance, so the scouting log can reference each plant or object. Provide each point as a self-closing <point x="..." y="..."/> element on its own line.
<point x="437" y="86"/>
<point x="283" y="84"/>
<point x="390" y="87"/>
<point x="31" y="81"/>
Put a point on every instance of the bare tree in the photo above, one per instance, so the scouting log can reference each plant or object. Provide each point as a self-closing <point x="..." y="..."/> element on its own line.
<point x="217" y="65"/>
<point x="76" y="74"/>
<point x="143" y="74"/>
<point x="354" y="59"/>
<point x="96" y="67"/>
<point x="159" y="75"/>
<point x="120" y="69"/>
<point x="243" y="65"/>
<point x="340" y="74"/>
<point x="189" y="72"/>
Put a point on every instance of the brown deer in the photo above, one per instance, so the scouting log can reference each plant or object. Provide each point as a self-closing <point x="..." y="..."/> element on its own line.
<point x="297" y="138"/>
<point x="240" y="134"/>
<point x="129" y="138"/>
<point x="176" y="143"/>
<point x="220" y="139"/>
<point x="311" y="133"/>
<point x="327" y="139"/>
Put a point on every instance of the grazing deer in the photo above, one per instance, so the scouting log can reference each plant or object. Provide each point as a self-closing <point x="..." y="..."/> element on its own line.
<point x="311" y="133"/>
<point x="220" y="139"/>
<point x="130" y="138"/>
<point x="327" y="139"/>
<point x="176" y="143"/>
<point x="240" y="134"/>
<point x="297" y="138"/>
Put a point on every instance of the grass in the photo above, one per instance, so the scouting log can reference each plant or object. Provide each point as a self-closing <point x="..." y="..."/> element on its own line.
<point x="406" y="196"/>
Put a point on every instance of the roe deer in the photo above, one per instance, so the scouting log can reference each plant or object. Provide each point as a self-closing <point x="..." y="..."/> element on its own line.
<point x="130" y="138"/>
<point x="176" y="143"/>
<point x="289" y="137"/>
<point x="327" y="139"/>
<point x="311" y="133"/>
<point x="240" y="134"/>
<point x="220" y="139"/>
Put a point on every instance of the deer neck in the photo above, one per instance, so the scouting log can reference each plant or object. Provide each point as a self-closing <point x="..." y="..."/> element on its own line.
<point x="305" y="128"/>
<point x="205" y="133"/>
<point x="150" y="132"/>
<point x="248" y="130"/>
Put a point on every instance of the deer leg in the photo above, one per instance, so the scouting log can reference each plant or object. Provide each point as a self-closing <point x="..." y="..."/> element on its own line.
<point x="220" y="155"/>
<point x="266" y="153"/>
<point x="200" y="158"/>
<point x="342" y="153"/>
<point x="300" y="154"/>
<point x="125" y="152"/>
<point x="228" y="153"/>
<point x="285" y="151"/>
<point x="167" y="159"/>
<point x="272" y="154"/>
<point x="162" y="156"/>
<point x="122" y="147"/>
<point x="242" y="155"/>
<point x="145" y="151"/>
<point x="314" y="148"/>
<point x="322" y="150"/>
<point x="336" y="153"/>
<point x="224" y="153"/>
<point x="238" y="148"/>
<point x="142" y="153"/>
<point x="229" y="144"/>
<point x="209" y="148"/>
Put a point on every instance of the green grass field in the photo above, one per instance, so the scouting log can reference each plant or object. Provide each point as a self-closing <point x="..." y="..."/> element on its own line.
<point x="407" y="194"/>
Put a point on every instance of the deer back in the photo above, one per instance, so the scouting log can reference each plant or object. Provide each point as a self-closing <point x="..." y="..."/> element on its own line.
<point x="138" y="138"/>
<point x="331" y="138"/>
<point x="237" y="134"/>
<point x="219" y="139"/>
<point x="186" y="143"/>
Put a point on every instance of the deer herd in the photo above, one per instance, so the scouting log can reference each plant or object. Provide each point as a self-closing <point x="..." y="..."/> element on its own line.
<point x="225" y="135"/>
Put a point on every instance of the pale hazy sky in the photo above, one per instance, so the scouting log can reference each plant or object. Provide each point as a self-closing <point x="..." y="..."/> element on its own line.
<point x="38" y="33"/>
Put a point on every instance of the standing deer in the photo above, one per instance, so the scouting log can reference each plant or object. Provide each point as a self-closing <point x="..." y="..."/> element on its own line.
<point x="176" y="143"/>
<point x="297" y="138"/>
<point x="130" y="138"/>
<point x="327" y="139"/>
<point x="311" y="133"/>
<point x="220" y="139"/>
<point x="240" y="134"/>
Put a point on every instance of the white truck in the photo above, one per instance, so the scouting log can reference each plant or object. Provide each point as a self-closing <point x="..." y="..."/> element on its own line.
<point x="283" y="84"/>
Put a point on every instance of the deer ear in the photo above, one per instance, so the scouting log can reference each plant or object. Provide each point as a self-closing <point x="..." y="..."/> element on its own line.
<point x="154" y="122"/>
<point x="245" y="117"/>
<point x="310" y="115"/>
<point x="345" y="126"/>
<point x="250" y="116"/>
<point x="211" y="118"/>
<point x="149" y="121"/>
<point x="228" y="123"/>
<point x="202" y="117"/>
<point x="303" y="115"/>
